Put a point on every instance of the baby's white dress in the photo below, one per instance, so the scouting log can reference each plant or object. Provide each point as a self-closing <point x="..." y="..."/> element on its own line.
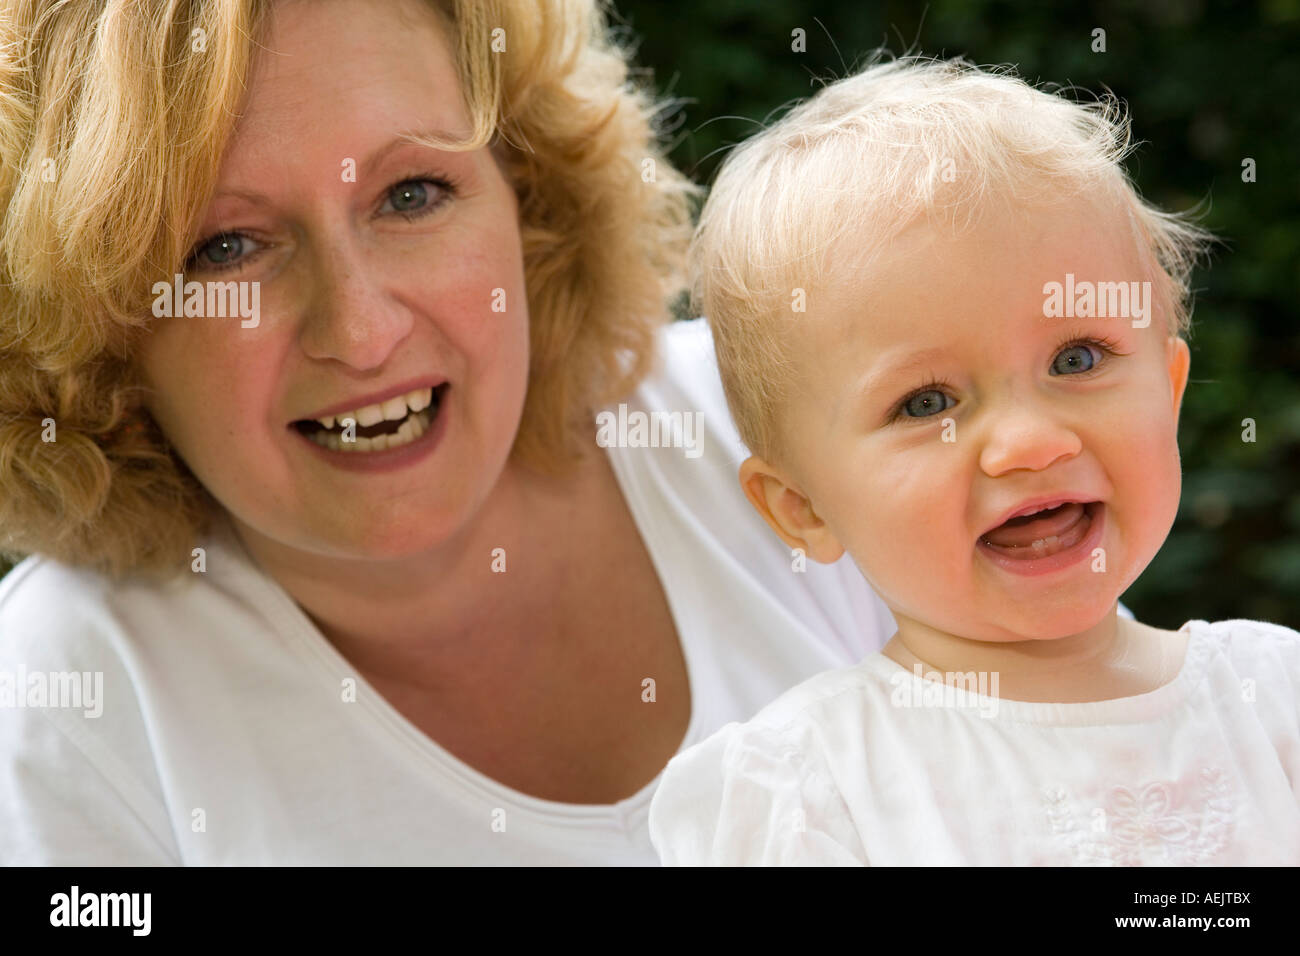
<point x="875" y="765"/>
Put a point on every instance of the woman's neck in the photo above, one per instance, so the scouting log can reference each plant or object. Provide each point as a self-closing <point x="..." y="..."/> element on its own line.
<point x="436" y="614"/>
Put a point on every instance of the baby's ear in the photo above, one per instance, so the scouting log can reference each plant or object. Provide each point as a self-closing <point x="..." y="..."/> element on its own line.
<point x="1180" y="361"/>
<point x="789" y="513"/>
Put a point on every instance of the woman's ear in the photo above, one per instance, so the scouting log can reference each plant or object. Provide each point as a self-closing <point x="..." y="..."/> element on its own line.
<point x="788" y="511"/>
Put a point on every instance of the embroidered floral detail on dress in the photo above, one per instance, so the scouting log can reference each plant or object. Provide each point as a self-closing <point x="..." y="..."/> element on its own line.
<point x="1142" y="820"/>
<point x="1171" y="822"/>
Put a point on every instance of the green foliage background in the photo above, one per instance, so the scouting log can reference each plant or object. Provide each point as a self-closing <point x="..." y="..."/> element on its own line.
<point x="1208" y="84"/>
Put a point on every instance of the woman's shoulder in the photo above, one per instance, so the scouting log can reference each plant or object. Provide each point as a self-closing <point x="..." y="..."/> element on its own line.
<point x="53" y="613"/>
<point x="49" y="607"/>
<point x="97" y="675"/>
<point x="685" y="379"/>
<point x="74" y="723"/>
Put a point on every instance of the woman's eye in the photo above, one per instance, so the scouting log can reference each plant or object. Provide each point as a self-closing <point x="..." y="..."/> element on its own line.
<point x="228" y="250"/>
<point x="409" y="196"/>
<point x="927" y="403"/>
<point x="220" y="252"/>
<point x="1076" y="358"/>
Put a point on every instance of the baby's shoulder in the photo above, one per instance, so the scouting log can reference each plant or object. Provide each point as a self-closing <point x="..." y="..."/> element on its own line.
<point x="813" y="716"/>
<point x="796" y="737"/>
<point x="798" y="729"/>
<point x="1243" y="639"/>
<point x="1266" y="655"/>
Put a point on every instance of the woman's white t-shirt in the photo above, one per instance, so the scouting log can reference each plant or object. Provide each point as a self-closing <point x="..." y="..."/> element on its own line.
<point x="209" y="721"/>
<point x="876" y="764"/>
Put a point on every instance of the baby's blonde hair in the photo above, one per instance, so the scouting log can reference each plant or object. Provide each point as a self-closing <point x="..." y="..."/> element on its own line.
<point x="866" y="156"/>
<point x="113" y="116"/>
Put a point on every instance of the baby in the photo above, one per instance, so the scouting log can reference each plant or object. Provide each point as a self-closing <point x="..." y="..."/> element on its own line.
<point x="950" y="332"/>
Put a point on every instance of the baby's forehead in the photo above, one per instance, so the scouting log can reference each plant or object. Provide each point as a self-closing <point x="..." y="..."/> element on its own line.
<point x="1025" y="241"/>
<point x="1011" y="273"/>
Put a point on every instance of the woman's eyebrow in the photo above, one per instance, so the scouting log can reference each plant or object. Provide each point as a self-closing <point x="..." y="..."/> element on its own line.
<point x="405" y="139"/>
<point x="374" y="159"/>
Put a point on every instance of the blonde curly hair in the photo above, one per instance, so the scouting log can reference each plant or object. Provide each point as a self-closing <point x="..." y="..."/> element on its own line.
<point x="109" y="125"/>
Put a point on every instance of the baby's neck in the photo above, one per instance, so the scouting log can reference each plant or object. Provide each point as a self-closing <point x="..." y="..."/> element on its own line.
<point x="1115" y="658"/>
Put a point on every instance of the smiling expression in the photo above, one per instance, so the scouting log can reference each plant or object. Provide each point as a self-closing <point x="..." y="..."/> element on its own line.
<point x="935" y="401"/>
<point x="370" y="290"/>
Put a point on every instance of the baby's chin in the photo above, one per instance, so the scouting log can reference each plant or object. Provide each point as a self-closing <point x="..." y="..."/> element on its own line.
<point x="1010" y="623"/>
<point x="1047" y="621"/>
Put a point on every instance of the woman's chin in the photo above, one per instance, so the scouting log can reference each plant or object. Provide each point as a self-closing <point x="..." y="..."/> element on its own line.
<point x="353" y="535"/>
<point x="385" y="542"/>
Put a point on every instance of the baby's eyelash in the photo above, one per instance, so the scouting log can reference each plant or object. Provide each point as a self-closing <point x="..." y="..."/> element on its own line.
<point x="1108" y="346"/>
<point x="934" y="385"/>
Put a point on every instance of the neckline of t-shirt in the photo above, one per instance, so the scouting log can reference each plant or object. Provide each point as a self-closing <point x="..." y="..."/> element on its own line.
<point x="624" y="814"/>
<point x="1134" y="709"/>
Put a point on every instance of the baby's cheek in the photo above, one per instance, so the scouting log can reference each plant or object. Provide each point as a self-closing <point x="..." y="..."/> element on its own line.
<point x="904" y="531"/>
<point x="1148" y="484"/>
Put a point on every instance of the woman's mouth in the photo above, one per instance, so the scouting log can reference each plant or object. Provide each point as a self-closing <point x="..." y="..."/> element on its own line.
<point x="1046" y="541"/>
<point x="393" y="424"/>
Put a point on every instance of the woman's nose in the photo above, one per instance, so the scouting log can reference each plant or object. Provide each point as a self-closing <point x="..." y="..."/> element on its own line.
<point x="1028" y="437"/>
<point x="352" y="316"/>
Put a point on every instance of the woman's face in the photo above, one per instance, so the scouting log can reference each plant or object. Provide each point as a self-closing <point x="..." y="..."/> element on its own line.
<point x="384" y="269"/>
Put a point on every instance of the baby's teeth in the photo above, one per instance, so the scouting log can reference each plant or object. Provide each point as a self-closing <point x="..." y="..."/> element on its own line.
<point x="327" y="421"/>
<point x="1044" y="544"/>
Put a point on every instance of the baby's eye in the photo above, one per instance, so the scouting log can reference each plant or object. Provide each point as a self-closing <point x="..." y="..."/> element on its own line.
<point x="927" y="403"/>
<point x="1075" y="358"/>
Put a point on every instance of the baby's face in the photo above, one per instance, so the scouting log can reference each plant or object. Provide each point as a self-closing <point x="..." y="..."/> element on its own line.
<point x="911" y="477"/>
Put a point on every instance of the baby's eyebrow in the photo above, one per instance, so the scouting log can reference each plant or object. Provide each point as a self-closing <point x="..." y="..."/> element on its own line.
<point x="887" y="367"/>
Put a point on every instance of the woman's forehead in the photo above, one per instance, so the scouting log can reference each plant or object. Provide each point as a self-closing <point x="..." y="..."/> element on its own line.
<point x="347" y="68"/>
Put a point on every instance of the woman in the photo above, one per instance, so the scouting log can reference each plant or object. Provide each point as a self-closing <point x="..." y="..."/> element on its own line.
<point x="477" y="639"/>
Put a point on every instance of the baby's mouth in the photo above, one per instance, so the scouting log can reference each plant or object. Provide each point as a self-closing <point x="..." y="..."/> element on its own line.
<point x="1043" y="534"/>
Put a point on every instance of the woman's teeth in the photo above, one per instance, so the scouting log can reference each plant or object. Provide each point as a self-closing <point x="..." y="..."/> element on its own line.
<point x="393" y="410"/>
<point x="412" y="410"/>
<point x="411" y="429"/>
